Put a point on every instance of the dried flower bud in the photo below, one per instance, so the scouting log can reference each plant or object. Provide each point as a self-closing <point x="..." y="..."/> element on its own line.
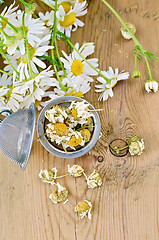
<point x="59" y="194"/>
<point x="94" y="180"/>
<point x="85" y="134"/>
<point x="151" y="85"/>
<point x="48" y="176"/>
<point x="136" y="74"/>
<point x="84" y="208"/>
<point x="125" y="33"/>
<point x="75" y="170"/>
<point x="136" y="148"/>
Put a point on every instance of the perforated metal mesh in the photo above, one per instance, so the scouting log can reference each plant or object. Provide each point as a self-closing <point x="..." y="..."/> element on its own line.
<point x="16" y="135"/>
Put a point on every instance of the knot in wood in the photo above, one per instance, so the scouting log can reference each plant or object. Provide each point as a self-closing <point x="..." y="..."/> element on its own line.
<point x="100" y="159"/>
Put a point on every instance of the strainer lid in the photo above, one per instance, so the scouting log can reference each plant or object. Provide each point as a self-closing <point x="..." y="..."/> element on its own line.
<point x="16" y="135"/>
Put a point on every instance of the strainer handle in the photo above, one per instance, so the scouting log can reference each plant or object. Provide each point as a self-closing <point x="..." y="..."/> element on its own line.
<point x="7" y="111"/>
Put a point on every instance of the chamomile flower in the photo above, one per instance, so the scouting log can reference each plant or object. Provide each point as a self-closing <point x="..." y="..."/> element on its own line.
<point x="75" y="170"/>
<point x="34" y="88"/>
<point x="10" y="15"/>
<point x="151" y="85"/>
<point x="67" y="18"/>
<point x="106" y="88"/>
<point x="84" y="209"/>
<point x="8" y="68"/>
<point x="78" y="84"/>
<point x="5" y="80"/>
<point x="3" y="91"/>
<point x="48" y="176"/>
<point x="136" y="147"/>
<point x="47" y="18"/>
<point x="93" y="180"/>
<point x="76" y="67"/>
<point x="125" y="33"/>
<point x="34" y="28"/>
<point x="59" y="194"/>
<point x="33" y="52"/>
<point x="11" y="98"/>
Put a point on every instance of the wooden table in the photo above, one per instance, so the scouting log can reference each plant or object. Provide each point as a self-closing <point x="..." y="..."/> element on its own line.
<point x="125" y="207"/>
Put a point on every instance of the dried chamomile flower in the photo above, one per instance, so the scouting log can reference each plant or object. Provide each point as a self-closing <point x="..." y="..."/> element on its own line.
<point x="94" y="180"/>
<point x="84" y="209"/>
<point x="56" y="114"/>
<point x="61" y="129"/>
<point x="48" y="176"/>
<point x="75" y="141"/>
<point x="85" y="134"/>
<point x="74" y="113"/>
<point x="59" y="194"/>
<point x="125" y="33"/>
<point x="136" y="148"/>
<point x="82" y="110"/>
<point x="75" y="170"/>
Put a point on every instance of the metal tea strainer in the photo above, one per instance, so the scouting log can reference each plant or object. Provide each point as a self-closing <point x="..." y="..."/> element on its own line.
<point x="16" y="135"/>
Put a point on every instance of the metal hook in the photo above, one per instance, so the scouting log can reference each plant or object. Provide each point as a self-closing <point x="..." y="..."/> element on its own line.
<point x="7" y="111"/>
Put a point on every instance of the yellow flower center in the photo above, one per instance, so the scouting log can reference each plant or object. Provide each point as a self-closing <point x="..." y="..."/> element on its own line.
<point x="45" y="22"/>
<point x="74" y="113"/>
<point x="3" y="23"/>
<point x="68" y="20"/>
<point x="114" y="84"/>
<point x="74" y="142"/>
<point x="61" y="129"/>
<point x="66" y="6"/>
<point x="31" y="52"/>
<point x="77" y="94"/>
<point x="80" y="1"/>
<point x="77" y="67"/>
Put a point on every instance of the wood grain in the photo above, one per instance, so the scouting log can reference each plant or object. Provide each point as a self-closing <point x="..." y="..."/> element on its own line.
<point x="125" y="207"/>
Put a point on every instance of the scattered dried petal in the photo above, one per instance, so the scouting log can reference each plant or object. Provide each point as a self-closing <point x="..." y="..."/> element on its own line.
<point x="75" y="170"/>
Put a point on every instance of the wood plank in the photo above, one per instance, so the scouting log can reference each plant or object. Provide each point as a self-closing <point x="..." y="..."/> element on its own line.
<point x="125" y="207"/>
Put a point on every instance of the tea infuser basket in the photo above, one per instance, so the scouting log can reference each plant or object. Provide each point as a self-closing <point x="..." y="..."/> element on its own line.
<point x="16" y="135"/>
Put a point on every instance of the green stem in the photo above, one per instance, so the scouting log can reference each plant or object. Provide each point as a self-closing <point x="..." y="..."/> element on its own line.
<point x="119" y="149"/>
<point x="58" y="55"/>
<point x="35" y="15"/>
<point x="148" y="68"/>
<point x="4" y="55"/>
<point x="156" y="57"/>
<point x="135" y="64"/>
<point x="53" y="39"/>
<point x="4" y="33"/>
<point x="107" y="79"/>
<point x="11" y="25"/>
<point x="11" y="75"/>
<point x="26" y="44"/>
<point x="63" y="175"/>
<point x="51" y="6"/>
<point x="23" y="2"/>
